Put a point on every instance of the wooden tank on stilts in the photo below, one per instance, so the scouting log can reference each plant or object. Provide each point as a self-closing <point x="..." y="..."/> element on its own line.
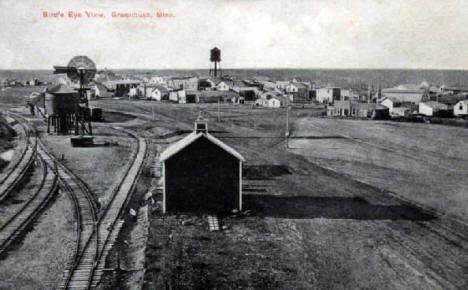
<point x="67" y="108"/>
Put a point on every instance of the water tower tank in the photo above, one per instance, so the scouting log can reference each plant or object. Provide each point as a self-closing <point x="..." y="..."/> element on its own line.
<point x="60" y="100"/>
<point x="215" y="54"/>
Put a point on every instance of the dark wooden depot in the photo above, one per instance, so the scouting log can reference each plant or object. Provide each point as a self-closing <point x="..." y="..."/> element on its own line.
<point x="201" y="174"/>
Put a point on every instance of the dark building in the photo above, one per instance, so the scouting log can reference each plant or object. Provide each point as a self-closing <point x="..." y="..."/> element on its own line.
<point x="122" y="88"/>
<point x="312" y="95"/>
<point x="205" y="84"/>
<point x="201" y="174"/>
<point x="215" y="96"/>
<point x="248" y="95"/>
<point x="299" y="91"/>
<point x="336" y="94"/>
<point x="60" y="104"/>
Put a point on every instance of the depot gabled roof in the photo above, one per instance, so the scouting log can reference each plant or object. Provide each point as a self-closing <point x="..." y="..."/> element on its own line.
<point x="192" y="137"/>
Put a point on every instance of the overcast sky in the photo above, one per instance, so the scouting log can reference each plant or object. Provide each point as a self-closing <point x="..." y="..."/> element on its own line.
<point x="250" y="34"/>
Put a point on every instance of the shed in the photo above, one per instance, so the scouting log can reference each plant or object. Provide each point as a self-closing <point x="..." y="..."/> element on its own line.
<point x="461" y="108"/>
<point x="390" y="102"/>
<point x="278" y="102"/>
<point x="222" y="86"/>
<point x="201" y="174"/>
<point x="431" y="108"/>
<point x="159" y="93"/>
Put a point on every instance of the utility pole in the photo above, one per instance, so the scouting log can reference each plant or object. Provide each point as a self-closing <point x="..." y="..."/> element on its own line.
<point x="287" y="125"/>
<point x="219" y="116"/>
<point x="369" y="92"/>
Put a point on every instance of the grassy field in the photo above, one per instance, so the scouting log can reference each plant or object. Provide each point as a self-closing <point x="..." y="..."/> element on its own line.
<point x="311" y="225"/>
<point x="100" y="166"/>
<point x="38" y="260"/>
<point x="425" y="163"/>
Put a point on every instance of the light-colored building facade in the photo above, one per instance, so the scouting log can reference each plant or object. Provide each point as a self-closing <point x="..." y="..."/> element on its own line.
<point x="328" y="95"/>
<point x="461" y="108"/>
<point x="405" y="94"/>
<point x="222" y="86"/>
<point x="431" y="108"/>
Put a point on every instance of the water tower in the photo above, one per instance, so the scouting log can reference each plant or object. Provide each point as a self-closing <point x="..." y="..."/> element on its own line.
<point x="65" y="108"/>
<point x="215" y="57"/>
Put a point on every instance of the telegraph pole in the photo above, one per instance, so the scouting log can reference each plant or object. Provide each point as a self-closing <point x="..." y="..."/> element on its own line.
<point x="219" y="116"/>
<point x="287" y="125"/>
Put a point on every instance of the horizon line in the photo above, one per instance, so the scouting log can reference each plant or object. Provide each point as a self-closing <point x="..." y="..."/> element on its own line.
<point x="252" y="68"/>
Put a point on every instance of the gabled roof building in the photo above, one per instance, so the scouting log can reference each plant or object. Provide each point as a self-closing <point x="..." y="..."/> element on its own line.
<point x="201" y="174"/>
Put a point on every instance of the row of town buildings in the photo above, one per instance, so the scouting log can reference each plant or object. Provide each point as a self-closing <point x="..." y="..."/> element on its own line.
<point x="399" y="101"/>
<point x="193" y="90"/>
<point x="5" y="83"/>
<point x="403" y="101"/>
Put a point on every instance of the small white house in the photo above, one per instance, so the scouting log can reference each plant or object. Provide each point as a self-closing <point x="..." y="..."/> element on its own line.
<point x="222" y="86"/>
<point x="158" y="93"/>
<point x="292" y="88"/>
<point x="133" y="93"/>
<point x="461" y="108"/>
<point x="431" y="108"/>
<point x="173" y="96"/>
<point x="277" y="102"/>
<point x="261" y="102"/>
<point x="328" y="95"/>
<point x="271" y="99"/>
<point x="182" y="99"/>
<point x="155" y="94"/>
<point x="390" y="102"/>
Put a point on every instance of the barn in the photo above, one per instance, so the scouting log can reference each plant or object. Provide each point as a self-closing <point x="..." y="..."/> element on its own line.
<point x="201" y="174"/>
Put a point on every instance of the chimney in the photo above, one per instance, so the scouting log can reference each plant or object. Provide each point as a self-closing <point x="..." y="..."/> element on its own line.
<point x="201" y="124"/>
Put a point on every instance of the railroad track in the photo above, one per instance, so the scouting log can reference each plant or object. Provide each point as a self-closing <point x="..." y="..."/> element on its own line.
<point x="95" y="235"/>
<point x="85" y="207"/>
<point x="112" y="219"/>
<point x="25" y="216"/>
<point x="19" y="169"/>
<point x="89" y="265"/>
<point x="85" y="251"/>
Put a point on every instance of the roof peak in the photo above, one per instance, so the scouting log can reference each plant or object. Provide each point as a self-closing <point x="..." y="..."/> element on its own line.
<point x="192" y="137"/>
